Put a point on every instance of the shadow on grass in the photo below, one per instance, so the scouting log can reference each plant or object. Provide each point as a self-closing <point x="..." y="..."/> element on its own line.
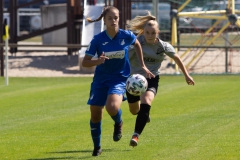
<point x="75" y="157"/>
<point x="51" y="158"/>
<point x="70" y="152"/>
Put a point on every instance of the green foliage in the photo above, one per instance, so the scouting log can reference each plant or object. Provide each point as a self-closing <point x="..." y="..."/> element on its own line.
<point x="48" y="118"/>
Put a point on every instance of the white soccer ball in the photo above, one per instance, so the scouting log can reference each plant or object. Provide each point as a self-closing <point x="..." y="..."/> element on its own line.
<point x="136" y="84"/>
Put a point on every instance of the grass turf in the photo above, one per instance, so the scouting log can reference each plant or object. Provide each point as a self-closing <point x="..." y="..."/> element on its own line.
<point x="48" y="118"/>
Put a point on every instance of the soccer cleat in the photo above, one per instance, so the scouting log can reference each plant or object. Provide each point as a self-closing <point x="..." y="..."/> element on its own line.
<point x="134" y="141"/>
<point x="117" y="134"/>
<point x="97" y="151"/>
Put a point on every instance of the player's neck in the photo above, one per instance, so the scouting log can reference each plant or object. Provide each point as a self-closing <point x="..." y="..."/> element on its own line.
<point x="112" y="32"/>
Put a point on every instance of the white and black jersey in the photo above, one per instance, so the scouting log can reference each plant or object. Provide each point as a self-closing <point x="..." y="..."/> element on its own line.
<point x="153" y="55"/>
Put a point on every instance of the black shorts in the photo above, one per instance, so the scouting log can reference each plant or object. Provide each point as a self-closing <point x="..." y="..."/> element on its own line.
<point x="152" y="86"/>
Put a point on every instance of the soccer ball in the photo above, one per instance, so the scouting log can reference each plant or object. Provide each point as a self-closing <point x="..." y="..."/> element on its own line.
<point x="136" y="84"/>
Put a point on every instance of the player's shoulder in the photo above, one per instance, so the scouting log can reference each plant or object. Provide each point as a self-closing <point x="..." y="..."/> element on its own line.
<point x="99" y="35"/>
<point x="123" y="32"/>
<point x="166" y="46"/>
<point x="141" y="39"/>
<point x="163" y="43"/>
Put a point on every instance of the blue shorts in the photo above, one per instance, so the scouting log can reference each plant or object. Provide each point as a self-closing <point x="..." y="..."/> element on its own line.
<point x="100" y="92"/>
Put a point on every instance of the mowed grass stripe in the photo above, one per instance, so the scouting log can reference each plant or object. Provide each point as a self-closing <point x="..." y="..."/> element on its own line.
<point x="48" y="118"/>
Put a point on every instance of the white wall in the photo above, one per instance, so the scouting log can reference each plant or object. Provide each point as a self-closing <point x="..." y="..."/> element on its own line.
<point x="53" y="15"/>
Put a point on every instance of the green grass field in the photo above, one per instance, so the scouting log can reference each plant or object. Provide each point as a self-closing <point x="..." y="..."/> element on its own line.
<point x="48" y="119"/>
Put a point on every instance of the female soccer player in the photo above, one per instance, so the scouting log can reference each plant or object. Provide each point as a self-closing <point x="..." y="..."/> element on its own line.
<point x="153" y="54"/>
<point x="112" y="71"/>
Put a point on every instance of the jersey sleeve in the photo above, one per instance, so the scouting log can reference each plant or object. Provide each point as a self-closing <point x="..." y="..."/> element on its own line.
<point x="169" y="50"/>
<point x="92" y="48"/>
<point x="131" y="51"/>
<point x="133" y="37"/>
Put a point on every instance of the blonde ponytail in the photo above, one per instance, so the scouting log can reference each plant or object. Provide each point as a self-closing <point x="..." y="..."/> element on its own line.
<point x="139" y="22"/>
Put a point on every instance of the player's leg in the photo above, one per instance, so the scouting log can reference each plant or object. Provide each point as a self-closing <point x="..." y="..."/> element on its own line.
<point x="145" y="106"/>
<point x="97" y="101"/>
<point x="96" y="128"/>
<point x="113" y="104"/>
<point x="142" y="117"/>
<point x="133" y="103"/>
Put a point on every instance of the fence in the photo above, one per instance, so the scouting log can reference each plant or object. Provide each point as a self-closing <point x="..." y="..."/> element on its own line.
<point x="53" y="61"/>
<point x="214" y="60"/>
<point x="221" y="55"/>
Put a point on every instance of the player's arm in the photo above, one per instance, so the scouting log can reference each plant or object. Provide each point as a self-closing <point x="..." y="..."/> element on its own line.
<point x="170" y="51"/>
<point x="179" y="62"/>
<point x="138" y="50"/>
<point x="88" y="61"/>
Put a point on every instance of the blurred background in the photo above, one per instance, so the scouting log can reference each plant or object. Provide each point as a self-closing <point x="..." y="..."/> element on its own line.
<point x="206" y="36"/>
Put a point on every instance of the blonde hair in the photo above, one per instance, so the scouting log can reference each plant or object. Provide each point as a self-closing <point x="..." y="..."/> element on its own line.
<point x="139" y="22"/>
<point x="106" y="9"/>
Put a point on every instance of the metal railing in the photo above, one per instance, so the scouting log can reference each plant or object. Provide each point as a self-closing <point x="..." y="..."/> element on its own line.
<point x="215" y="60"/>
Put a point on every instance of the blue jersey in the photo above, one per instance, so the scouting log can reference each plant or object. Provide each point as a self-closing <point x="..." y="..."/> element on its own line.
<point x="116" y="49"/>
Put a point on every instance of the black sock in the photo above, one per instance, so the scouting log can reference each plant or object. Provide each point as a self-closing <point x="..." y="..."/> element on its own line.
<point x="142" y="118"/>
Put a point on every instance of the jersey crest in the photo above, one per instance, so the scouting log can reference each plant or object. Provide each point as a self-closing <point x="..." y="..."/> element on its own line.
<point x="121" y="42"/>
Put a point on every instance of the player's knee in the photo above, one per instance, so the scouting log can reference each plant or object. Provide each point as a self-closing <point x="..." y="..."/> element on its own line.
<point x="153" y="90"/>
<point x="134" y="108"/>
<point x="133" y="111"/>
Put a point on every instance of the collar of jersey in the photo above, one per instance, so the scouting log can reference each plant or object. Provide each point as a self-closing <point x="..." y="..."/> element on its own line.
<point x="111" y="37"/>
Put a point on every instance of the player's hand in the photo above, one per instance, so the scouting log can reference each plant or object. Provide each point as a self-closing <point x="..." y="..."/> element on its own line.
<point x="102" y="58"/>
<point x="148" y="73"/>
<point x="190" y="80"/>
